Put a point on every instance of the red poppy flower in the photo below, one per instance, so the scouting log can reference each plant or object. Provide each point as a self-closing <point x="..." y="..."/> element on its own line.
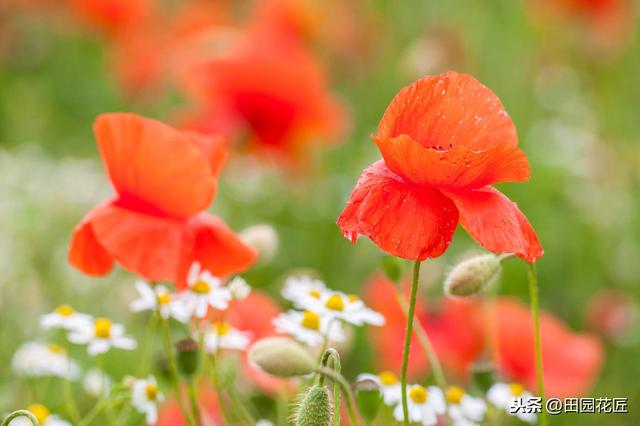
<point x="444" y="141"/>
<point x="571" y="360"/>
<point x="112" y="16"/>
<point x="170" y="413"/>
<point x="154" y="226"/>
<point x="455" y="329"/>
<point x="269" y="86"/>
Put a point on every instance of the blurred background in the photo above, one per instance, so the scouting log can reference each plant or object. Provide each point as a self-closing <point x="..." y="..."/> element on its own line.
<point x="566" y="70"/>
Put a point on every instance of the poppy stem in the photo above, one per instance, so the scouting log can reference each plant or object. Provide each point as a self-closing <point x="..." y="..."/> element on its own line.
<point x="20" y="413"/>
<point x="407" y="340"/>
<point x="535" y="311"/>
<point x="173" y="369"/>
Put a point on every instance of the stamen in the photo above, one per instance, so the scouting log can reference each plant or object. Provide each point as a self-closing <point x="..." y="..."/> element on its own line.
<point x="454" y="394"/>
<point x="311" y="320"/>
<point x="201" y="287"/>
<point x="335" y="303"/>
<point x="418" y="394"/>
<point x="388" y="378"/>
<point x="102" y="328"/>
<point x="40" y="412"/>
<point x="65" y="310"/>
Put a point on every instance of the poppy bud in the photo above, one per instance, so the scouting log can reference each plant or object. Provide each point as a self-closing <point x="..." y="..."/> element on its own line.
<point x="473" y="275"/>
<point x="282" y="357"/>
<point x="315" y="408"/>
<point x="187" y="356"/>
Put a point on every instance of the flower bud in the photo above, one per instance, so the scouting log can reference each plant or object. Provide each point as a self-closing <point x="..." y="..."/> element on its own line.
<point x="483" y="375"/>
<point x="315" y="408"/>
<point x="239" y="288"/>
<point x="187" y="356"/>
<point x="261" y="238"/>
<point x="473" y="275"/>
<point x="282" y="357"/>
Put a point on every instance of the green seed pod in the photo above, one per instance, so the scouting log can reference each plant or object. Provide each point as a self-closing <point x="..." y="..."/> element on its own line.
<point x="187" y="356"/>
<point x="472" y="276"/>
<point x="281" y="357"/>
<point x="315" y="408"/>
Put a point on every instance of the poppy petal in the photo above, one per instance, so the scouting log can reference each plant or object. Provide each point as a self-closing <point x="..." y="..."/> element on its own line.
<point x="454" y="168"/>
<point x="449" y="110"/>
<point x="402" y="219"/>
<point x="150" y="246"/>
<point x="217" y="248"/>
<point x="85" y="251"/>
<point x="496" y="223"/>
<point x="151" y="162"/>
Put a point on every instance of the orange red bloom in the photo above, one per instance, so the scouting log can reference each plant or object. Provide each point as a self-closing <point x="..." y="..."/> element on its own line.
<point x="444" y="140"/>
<point x="268" y="87"/>
<point x="155" y="226"/>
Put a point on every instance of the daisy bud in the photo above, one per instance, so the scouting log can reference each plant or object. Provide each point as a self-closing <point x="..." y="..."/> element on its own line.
<point x="261" y="238"/>
<point x="473" y="275"/>
<point x="281" y="357"/>
<point x="315" y="408"/>
<point x="187" y="356"/>
<point x="239" y="288"/>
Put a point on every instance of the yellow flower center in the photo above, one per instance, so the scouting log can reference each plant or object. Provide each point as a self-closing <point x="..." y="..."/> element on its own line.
<point x="40" y="412"/>
<point x="418" y="394"/>
<point x="353" y="298"/>
<point x="221" y="328"/>
<point x="335" y="303"/>
<point x="56" y="348"/>
<point x="151" y="392"/>
<point x="65" y="310"/>
<point x="102" y="328"/>
<point x="387" y="378"/>
<point x="454" y="394"/>
<point x="311" y="320"/>
<point x="163" y="298"/>
<point x="516" y="389"/>
<point x="201" y="287"/>
<point x="315" y="294"/>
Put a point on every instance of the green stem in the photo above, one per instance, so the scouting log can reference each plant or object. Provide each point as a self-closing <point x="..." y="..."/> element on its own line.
<point x="240" y="406"/>
<point x="20" y="413"/>
<point x="70" y="401"/>
<point x="535" y="311"/>
<point x="173" y="370"/>
<point x="216" y="383"/>
<point x="427" y="347"/>
<point x="193" y="398"/>
<point x="407" y="341"/>
<point x="337" y="378"/>
<point x="335" y="357"/>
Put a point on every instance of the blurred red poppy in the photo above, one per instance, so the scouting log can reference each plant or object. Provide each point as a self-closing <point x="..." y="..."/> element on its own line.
<point x="269" y="88"/>
<point x="612" y="314"/>
<point x="455" y="329"/>
<point x="171" y="415"/>
<point x="444" y="141"/>
<point x="571" y="360"/>
<point x="164" y="179"/>
<point x="112" y="16"/>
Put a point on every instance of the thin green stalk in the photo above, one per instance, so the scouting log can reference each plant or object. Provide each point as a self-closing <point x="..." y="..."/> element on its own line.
<point x="20" y="413"/>
<point x="349" y="399"/>
<point x="427" y="347"/>
<point x="535" y="312"/>
<point x="70" y="401"/>
<point x="193" y="398"/>
<point x="173" y="370"/>
<point x="407" y="341"/>
<point x="240" y="406"/>
<point x="216" y="383"/>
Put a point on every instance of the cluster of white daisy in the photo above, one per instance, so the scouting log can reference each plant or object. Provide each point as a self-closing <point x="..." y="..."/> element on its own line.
<point x="427" y="404"/>
<point x="321" y="312"/>
<point x="203" y="293"/>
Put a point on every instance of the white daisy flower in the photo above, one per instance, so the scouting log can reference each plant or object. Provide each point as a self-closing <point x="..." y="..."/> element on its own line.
<point x="221" y="335"/>
<point x="158" y="297"/>
<point x="65" y="317"/>
<point x="204" y="291"/>
<point x="348" y="308"/>
<point x="303" y="290"/>
<point x="309" y="327"/>
<point x="388" y="385"/>
<point x="504" y="395"/>
<point x="425" y="405"/>
<point x="464" y="409"/>
<point x="239" y="288"/>
<point x="42" y="414"/>
<point x="101" y="335"/>
<point x="145" y="397"/>
<point x="36" y="359"/>
<point x="97" y="383"/>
